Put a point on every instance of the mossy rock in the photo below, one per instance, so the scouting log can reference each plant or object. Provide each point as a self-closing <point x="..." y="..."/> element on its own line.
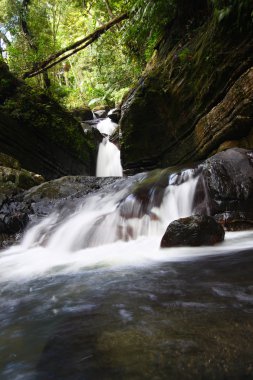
<point x="196" y="66"/>
<point x="82" y="113"/>
<point x="51" y="141"/>
<point x="8" y="161"/>
<point x="13" y="181"/>
<point x="26" y="180"/>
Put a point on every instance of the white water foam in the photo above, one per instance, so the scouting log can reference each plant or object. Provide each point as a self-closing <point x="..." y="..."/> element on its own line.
<point x="106" y="126"/>
<point x="98" y="236"/>
<point x="108" y="160"/>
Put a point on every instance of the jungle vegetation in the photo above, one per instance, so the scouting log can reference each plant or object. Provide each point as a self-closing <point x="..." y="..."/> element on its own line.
<point x="104" y="44"/>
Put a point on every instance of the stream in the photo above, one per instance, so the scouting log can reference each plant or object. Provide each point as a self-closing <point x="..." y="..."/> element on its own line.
<point x="91" y="295"/>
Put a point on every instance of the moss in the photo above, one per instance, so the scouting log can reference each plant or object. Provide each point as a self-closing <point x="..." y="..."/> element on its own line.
<point x="25" y="180"/>
<point x="39" y="112"/>
<point x="184" y="83"/>
<point x="9" y="161"/>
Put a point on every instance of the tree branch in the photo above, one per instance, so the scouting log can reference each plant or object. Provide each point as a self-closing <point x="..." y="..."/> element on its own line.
<point x="24" y="26"/>
<point x="109" y="9"/>
<point x="40" y="67"/>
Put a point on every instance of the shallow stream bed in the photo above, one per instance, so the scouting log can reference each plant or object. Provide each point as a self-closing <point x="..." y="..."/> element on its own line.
<point x="184" y="316"/>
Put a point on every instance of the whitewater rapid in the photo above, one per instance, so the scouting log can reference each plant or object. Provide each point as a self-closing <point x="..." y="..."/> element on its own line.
<point x="100" y="234"/>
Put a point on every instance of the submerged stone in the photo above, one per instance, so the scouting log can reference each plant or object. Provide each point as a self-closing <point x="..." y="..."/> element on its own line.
<point x="193" y="231"/>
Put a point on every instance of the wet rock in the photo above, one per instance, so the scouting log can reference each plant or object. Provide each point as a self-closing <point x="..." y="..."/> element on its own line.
<point x="14" y="181"/>
<point x="191" y="98"/>
<point x="235" y="221"/>
<point x="69" y="186"/>
<point x="101" y="113"/>
<point x="98" y="136"/>
<point x="114" y="115"/>
<point x="82" y="113"/>
<point x="15" y="222"/>
<point x="225" y="188"/>
<point x="193" y="231"/>
<point x="21" y="178"/>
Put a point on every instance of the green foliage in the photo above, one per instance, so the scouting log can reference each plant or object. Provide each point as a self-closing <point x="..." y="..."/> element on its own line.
<point x="37" y="111"/>
<point x="146" y="26"/>
<point x="105" y="69"/>
<point x="184" y="55"/>
<point x="240" y="11"/>
<point x="102" y="72"/>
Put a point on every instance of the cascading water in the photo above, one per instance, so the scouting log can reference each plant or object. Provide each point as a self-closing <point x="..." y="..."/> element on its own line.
<point x="82" y="296"/>
<point x="97" y="231"/>
<point x="108" y="159"/>
<point x="102" y="219"/>
<point x="106" y="126"/>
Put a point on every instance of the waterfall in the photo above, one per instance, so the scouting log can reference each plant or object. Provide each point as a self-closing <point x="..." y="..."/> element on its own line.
<point x="121" y="224"/>
<point x="105" y="218"/>
<point x="108" y="159"/>
<point x="106" y="126"/>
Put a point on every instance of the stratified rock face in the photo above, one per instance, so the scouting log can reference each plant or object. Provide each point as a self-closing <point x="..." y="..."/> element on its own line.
<point x="196" y="96"/>
<point x="40" y="134"/>
<point x="193" y="231"/>
<point x="225" y="189"/>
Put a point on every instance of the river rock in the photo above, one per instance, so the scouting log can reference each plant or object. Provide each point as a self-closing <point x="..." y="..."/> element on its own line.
<point x="15" y="222"/>
<point x="14" y="179"/>
<point x="101" y="113"/>
<point x="82" y="113"/>
<point x="114" y="115"/>
<point x="225" y="188"/>
<point x="193" y="231"/>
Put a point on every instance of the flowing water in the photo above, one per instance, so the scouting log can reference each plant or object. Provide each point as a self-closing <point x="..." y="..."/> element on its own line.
<point x="92" y="296"/>
<point x="108" y="159"/>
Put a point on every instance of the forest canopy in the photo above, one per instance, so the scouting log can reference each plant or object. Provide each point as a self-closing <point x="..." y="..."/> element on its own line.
<point x="33" y="30"/>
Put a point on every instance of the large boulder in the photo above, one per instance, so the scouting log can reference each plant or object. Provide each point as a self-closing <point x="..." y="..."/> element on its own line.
<point x="193" y="231"/>
<point x="196" y="95"/>
<point x="225" y="188"/>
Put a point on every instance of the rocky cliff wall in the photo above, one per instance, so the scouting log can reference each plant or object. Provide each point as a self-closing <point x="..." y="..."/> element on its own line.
<point x="196" y="96"/>
<point x="44" y="137"/>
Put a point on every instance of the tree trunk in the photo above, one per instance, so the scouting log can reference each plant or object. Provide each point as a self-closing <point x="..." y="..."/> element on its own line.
<point x="109" y="9"/>
<point x="51" y="61"/>
<point x="29" y="37"/>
